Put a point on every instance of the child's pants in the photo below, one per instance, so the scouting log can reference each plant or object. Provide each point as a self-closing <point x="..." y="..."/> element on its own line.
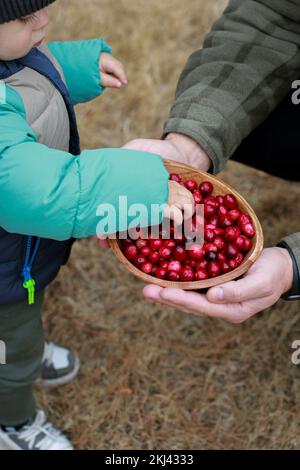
<point x="22" y="332"/>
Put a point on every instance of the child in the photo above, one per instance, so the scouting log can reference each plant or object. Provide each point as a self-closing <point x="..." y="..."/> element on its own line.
<point x="49" y="193"/>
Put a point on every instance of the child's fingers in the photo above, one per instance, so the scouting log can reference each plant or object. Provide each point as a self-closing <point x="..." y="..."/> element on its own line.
<point x="175" y="214"/>
<point x="180" y="197"/>
<point x="110" y="81"/>
<point x="112" y="66"/>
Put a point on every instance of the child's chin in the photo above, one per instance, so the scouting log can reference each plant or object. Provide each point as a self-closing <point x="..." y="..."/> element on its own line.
<point x="39" y="43"/>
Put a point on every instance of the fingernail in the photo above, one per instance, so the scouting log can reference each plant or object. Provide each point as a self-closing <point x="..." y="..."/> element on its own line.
<point x="219" y="294"/>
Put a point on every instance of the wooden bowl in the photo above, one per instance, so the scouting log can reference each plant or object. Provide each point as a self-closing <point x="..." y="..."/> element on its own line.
<point x="220" y="188"/>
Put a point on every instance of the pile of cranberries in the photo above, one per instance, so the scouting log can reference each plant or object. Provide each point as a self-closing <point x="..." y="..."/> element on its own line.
<point x="227" y="238"/>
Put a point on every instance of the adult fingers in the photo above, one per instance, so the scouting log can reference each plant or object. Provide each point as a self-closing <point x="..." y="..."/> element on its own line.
<point x="252" y="286"/>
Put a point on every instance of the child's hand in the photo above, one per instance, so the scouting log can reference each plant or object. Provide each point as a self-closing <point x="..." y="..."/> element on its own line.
<point x="112" y="72"/>
<point x="181" y="204"/>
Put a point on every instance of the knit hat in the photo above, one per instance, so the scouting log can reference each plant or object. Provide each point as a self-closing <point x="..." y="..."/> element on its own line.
<point x="14" y="9"/>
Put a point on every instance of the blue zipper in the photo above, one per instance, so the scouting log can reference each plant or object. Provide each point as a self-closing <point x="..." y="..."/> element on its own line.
<point x="29" y="282"/>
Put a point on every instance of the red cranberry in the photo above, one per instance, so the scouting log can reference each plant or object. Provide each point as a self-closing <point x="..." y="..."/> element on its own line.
<point x="207" y="247"/>
<point x="165" y="252"/>
<point x="130" y="251"/>
<point x="232" y="263"/>
<point x="202" y="264"/>
<point x="230" y="201"/>
<point x="191" y="185"/>
<point x="146" y="251"/>
<point x="175" y="266"/>
<point x="222" y="210"/>
<point x="239" y="258"/>
<point x="139" y="260"/>
<point x="221" y="257"/>
<point x="164" y="265"/>
<point x="214" y="220"/>
<point x="243" y="243"/>
<point x="213" y="269"/>
<point x="175" y="177"/>
<point x="231" y="233"/>
<point x="141" y="243"/>
<point x="223" y="221"/>
<point x="224" y="266"/>
<point x="196" y="252"/>
<point x="161" y="273"/>
<point x="191" y="262"/>
<point x="155" y="243"/>
<point x="209" y="209"/>
<point x="220" y="199"/>
<point x="209" y="234"/>
<point x="244" y="219"/>
<point x="146" y="268"/>
<point x="172" y="276"/>
<point x="206" y="188"/>
<point x="154" y="257"/>
<point x="187" y="274"/>
<point x="180" y="253"/>
<point x="248" y="229"/>
<point x="210" y="226"/>
<point x="219" y="242"/>
<point x="211" y="200"/>
<point x="197" y="196"/>
<point x="201" y="274"/>
<point x="171" y="244"/>
<point x="219" y="232"/>
<point x="211" y="256"/>
<point x="127" y="241"/>
<point x="233" y="215"/>
<point x="247" y="244"/>
<point x="240" y="242"/>
<point x="231" y="250"/>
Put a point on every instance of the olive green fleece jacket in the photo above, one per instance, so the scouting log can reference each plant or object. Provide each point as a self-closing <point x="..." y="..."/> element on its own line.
<point x="246" y="67"/>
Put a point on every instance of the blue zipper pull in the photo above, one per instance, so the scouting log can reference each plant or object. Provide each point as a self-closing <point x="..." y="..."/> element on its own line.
<point x="29" y="282"/>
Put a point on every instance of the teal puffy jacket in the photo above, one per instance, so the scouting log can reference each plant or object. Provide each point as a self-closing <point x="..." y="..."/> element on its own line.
<point x="47" y="192"/>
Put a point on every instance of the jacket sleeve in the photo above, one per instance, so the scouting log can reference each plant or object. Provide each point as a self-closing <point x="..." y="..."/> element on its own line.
<point x="80" y="63"/>
<point x="246" y="67"/>
<point x="53" y="194"/>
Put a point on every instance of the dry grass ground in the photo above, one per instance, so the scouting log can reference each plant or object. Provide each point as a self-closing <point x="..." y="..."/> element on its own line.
<point x="154" y="378"/>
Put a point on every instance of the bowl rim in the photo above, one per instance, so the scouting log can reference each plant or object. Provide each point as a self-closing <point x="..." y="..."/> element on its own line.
<point x="250" y="258"/>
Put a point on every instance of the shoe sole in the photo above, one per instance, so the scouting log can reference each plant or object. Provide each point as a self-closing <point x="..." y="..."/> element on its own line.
<point x="52" y="383"/>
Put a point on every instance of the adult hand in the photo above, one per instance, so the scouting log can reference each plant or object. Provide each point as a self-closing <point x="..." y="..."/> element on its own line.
<point x="236" y="301"/>
<point x="177" y="147"/>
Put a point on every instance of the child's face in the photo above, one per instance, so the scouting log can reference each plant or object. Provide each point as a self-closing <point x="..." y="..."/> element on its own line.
<point x="18" y="37"/>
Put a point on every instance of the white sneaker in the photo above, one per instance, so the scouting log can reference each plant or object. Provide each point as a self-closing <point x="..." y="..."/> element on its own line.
<point x="59" y="366"/>
<point x="38" y="435"/>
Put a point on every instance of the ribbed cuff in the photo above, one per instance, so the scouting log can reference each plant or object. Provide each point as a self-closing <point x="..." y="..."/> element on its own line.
<point x="294" y="292"/>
